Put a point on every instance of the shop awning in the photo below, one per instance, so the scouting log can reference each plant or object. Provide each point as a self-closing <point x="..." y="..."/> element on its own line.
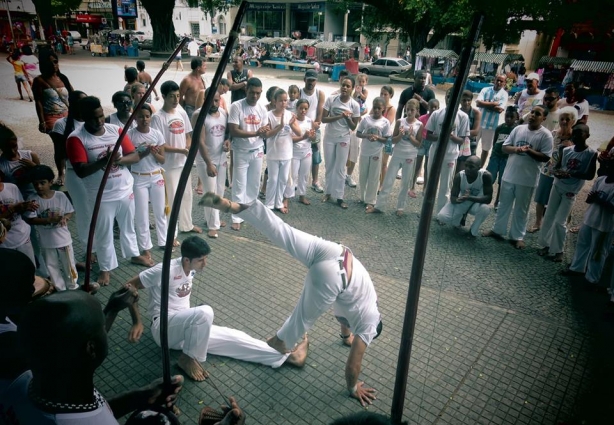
<point x="437" y="53"/>
<point x="274" y="40"/>
<point x="88" y="19"/>
<point x="556" y="61"/>
<point x="336" y="45"/>
<point x="215" y="37"/>
<point x="304" y="42"/>
<point x="498" y="58"/>
<point x="593" y="66"/>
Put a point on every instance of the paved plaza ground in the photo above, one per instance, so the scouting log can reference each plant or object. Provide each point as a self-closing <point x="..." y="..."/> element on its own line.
<point x="501" y="338"/>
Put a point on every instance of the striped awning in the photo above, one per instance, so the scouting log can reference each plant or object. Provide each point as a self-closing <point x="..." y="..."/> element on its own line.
<point x="498" y="58"/>
<point x="437" y="53"/>
<point x="269" y="40"/>
<point x="549" y="60"/>
<point x="593" y="66"/>
<point x="304" y="42"/>
<point x="335" y="45"/>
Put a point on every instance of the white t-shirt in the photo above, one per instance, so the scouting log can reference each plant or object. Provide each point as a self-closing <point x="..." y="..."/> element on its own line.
<point x="149" y="163"/>
<point x="20" y="230"/>
<point x="279" y="147"/>
<point x="459" y="129"/>
<point x="53" y="235"/>
<point x="31" y="65"/>
<point x="193" y="48"/>
<point x="338" y="131"/>
<point x="578" y="162"/>
<point x="527" y="101"/>
<point x="597" y="216"/>
<point x="248" y="118"/>
<point x="404" y="148"/>
<point x="180" y="287"/>
<point x="305" y="125"/>
<point x="215" y="135"/>
<point x="379" y="127"/>
<point x="113" y="119"/>
<point x="60" y="126"/>
<point x="583" y="107"/>
<point x="85" y="148"/>
<point x="174" y="127"/>
<point x="551" y="122"/>
<point x="313" y="99"/>
<point x="521" y="168"/>
<point x="17" y="408"/>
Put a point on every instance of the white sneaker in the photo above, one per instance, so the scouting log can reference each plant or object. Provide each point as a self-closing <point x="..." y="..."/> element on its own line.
<point x="400" y="174"/>
<point x="350" y="181"/>
<point x="420" y="180"/>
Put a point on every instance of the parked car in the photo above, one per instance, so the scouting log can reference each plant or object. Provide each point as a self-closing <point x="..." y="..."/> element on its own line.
<point x="384" y="66"/>
<point x="141" y="36"/>
<point x="76" y="35"/>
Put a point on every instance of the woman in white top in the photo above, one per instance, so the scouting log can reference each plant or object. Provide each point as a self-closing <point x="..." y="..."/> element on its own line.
<point x="407" y="139"/>
<point x="279" y="151"/>
<point x="301" y="157"/>
<point x="148" y="181"/>
<point x="341" y="114"/>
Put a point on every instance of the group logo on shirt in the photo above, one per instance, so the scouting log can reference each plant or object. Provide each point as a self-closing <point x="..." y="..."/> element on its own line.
<point x="114" y="166"/>
<point x="184" y="289"/>
<point x="176" y="126"/>
<point x="252" y="119"/>
<point x="573" y="164"/>
<point x="217" y="130"/>
<point x="52" y="213"/>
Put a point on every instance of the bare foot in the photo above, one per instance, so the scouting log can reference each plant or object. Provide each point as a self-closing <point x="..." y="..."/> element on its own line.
<point x="400" y="213"/>
<point x="326" y="198"/>
<point x="369" y="209"/>
<point x="176" y="243"/>
<point x="491" y="234"/>
<point x="347" y="339"/>
<point x="94" y="258"/>
<point x="80" y="266"/>
<point x="104" y="278"/>
<point x="534" y="229"/>
<point x="412" y="194"/>
<point x="212" y="234"/>
<point x="142" y="260"/>
<point x="278" y="344"/>
<point x="518" y="244"/>
<point x="192" y="367"/>
<point x="299" y="354"/>
<point x="303" y="200"/>
<point x="212" y="200"/>
<point x="195" y="229"/>
<point x="147" y="254"/>
<point x="222" y="224"/>
<point x="282" y="210"/>
<point x="235" y="226"/>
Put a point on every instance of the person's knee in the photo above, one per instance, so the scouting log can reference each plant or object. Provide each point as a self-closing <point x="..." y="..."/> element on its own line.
<point x="203" y="314"/>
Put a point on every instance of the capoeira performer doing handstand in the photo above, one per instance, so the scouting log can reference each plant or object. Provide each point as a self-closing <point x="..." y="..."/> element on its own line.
<point x="191" y="329"/>
<point x="334" y="278"/>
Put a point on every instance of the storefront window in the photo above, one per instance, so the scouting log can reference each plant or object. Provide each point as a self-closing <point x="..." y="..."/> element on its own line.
<point x="265" y="22"/>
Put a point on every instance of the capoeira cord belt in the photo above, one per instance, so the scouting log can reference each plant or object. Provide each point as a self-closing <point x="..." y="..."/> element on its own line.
<point x="343" y="262"/>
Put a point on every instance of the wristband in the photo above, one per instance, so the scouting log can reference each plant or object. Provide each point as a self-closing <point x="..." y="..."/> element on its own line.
<point x="353" y="390"/>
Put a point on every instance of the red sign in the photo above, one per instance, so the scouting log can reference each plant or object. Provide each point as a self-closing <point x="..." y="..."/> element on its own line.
<point x="89" y="19"/>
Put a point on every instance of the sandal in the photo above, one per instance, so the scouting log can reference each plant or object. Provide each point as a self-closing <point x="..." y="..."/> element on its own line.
<point x="558" y="258"/>
<point x="369" y="209"/>
<point x="342" y="204"/>
<point x="543" y="252"/>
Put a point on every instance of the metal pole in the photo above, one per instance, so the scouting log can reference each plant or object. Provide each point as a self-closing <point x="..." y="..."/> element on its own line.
<point x="415" y="278"/>
<point x="181" y="187"/>
<point x="345" y="25"/>
<point x="8" y="13"/>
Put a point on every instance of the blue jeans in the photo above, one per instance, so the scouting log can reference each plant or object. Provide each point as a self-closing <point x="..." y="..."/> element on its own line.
<point x="496" y="167"/>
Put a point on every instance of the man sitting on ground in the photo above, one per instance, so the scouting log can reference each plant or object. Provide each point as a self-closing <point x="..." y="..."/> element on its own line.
<point x="471" y="194"/>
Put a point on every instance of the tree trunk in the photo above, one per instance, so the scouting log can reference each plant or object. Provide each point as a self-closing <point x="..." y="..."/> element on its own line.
<point x="161" y="14"/>
<point x="418" y="42"/>
<point x="44" y="11"/>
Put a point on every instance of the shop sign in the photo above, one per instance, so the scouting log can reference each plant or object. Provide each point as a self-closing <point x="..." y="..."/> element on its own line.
<point x="266" y="6"/>
<point x="309" y="7"/>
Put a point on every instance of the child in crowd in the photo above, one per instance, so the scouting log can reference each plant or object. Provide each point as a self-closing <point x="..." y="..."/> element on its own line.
<point x="279" y="151"/>
<point x="15" y="163"/>
<point x="269" y="107"/>
<point x="469" y="147"/>
<point x="148" y="186"/>
<point x="14" y="208"/>
<point x="301" y="157"/>
<point x="407" y="139"/>
<point x="51" y="221"/>
<point x="423" y="150"/>
<point x="293" y="94"/>
<point x="498" y="159"/>
<point x="360" y="95"/>
<point x="374" y="130"/>
<point x="21" y="75"/>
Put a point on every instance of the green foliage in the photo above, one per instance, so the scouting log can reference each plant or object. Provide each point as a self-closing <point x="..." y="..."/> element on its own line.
<point x="212" y="7"/>
<point x="61" y="7"/>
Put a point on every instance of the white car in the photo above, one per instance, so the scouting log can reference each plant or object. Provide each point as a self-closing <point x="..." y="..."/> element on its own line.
<point x="384" y="66"/>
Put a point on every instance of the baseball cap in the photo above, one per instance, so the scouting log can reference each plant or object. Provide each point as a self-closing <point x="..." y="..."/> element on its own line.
<point x="533" y="76"/>
<point x="310" y="73"/>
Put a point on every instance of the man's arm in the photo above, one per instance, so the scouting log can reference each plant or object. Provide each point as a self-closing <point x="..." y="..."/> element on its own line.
<point x="486" y="188"/>
<point x="236" y="131"/>
<point x="357" y="390"/>
<point x="235" y="86"/>
<point x="454" y="198"/>
<point x="183" y="88"/>
<point x="320" y="109"/>
<point x="152" y="394"/>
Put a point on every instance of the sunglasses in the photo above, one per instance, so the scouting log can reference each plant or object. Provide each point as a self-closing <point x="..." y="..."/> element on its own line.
<point x="550" y="99"/>
<point x="124" y="102"/>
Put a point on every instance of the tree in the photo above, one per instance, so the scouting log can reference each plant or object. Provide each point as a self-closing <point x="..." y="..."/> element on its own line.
<point x="47" y="9"/>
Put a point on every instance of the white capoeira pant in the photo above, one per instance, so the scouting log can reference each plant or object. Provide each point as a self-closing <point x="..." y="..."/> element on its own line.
<point x="279" y="174"/>
<point x="514" y="197"/>
<point x="215" y="185"/>
<point x="453" y="214"/>
<point x="301" y="166"/>
<point x="354" y="153"/>
<point x="193" y="332"/>
<point x="354" y="305"/>
<point x="369" y="170"/>
<point x="81" y="203"/>
<point x="149" y="188"/>
<point x="122" y="211"/>
<point x="591" y="252"/>
<point x="335" y="158"/>
<point x="172" y="177"/>
<point x="445" y="178"/>
<point x="486" y="138"/>
<point x="554" y="229"/>
<point x="62" y="269"/>
<point x="246" y="169"/>
<point x="407" y="166"/>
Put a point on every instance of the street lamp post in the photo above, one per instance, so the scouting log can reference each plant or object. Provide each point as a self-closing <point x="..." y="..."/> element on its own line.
<point x="8" y="13"/>
<point x="319" y="16"/>
<point x="345" y="25"/>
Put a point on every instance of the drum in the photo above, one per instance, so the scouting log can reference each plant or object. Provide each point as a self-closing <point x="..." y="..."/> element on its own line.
<point x="42" y="287"/>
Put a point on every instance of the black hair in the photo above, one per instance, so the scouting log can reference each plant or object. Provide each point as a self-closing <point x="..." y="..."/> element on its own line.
<point x="543" y="108"/>
<point x="270" y="93"/>
<point x="389" y="89"/>
<point x="167" y="87"/>
<point x="27" y="50"/>
<point x="119" y="95"/>
<point x="278" y="93"/>
<point x="253" y="82"/>
<point x="73" y="103"/>
<point x="140" y="65"/>
<point x="552" y="90"/>
<point x="196" y="62"/>
<point x="88" y="105"/>
<point x="224" y="82"/>
<point x="301" y="101"/>
<point x="294" y="87"/>
<point x="512" y="109"/>
<point x="45" y="65"/>
<point x="6" y="134"/>
<point x="41" y="172"/>
<point x="194" y="247"/>
<point x="15" y="55"/>
<point x="146" y="107"/>
<point x="467" y="93"/>
<point x="17" y="283"/>
<point x="349" y="78"/>
<point x="131" y="74"/>
<point x="363" y="418"/>
<point x="419" y="73"/>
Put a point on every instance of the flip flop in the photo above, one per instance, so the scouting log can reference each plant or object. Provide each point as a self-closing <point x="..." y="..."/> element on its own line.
<point x="342" y="204"/>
